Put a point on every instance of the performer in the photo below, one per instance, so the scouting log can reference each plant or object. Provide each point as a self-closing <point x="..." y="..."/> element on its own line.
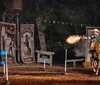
<point x="96" y="35"/>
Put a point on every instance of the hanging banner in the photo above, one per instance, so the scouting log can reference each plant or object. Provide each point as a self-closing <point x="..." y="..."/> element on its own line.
<point x="27" y="43"/>
<point x="8" y="31"/>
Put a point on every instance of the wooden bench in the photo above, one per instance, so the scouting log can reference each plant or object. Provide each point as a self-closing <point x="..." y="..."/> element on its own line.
<point x="42" y="54"/>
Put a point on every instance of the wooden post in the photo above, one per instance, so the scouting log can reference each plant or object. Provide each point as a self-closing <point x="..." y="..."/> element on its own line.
<point x="4" y="69"/>
<point x="44" y="64"/>
<point x="65" y="60"/>
<point x="17" y="37"/>
<point x="51" y="60"/>
<point x="7" y="81"/>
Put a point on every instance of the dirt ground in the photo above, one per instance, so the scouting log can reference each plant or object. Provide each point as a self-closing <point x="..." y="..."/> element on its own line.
<point x="34" y="75"/>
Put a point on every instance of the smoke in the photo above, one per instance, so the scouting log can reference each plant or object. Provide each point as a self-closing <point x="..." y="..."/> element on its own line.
<point x="79" y="49"/>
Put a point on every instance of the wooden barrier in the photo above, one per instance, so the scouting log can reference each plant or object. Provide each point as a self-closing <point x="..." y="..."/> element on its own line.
<point x="43" y="54"/>
<point x="74" y="61"/>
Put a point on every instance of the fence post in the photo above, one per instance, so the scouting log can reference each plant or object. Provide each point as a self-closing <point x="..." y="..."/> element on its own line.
<point x="6" y="65"/>
<point x="65" y="60"/>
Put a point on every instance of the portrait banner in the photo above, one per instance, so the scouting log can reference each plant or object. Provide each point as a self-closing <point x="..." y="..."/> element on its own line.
<point x="8" y="31"/>
<point x="27" y="43"/>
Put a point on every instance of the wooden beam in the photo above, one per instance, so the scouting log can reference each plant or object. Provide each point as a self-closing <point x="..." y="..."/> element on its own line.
<point x="7" y="24"/>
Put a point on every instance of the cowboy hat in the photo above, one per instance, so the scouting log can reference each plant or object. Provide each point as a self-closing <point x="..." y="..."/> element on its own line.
<point x="95" y="30"/>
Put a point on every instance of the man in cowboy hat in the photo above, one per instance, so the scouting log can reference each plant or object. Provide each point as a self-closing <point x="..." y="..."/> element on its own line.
<point x="95" y="30"/>
<point x="96" y="33"/>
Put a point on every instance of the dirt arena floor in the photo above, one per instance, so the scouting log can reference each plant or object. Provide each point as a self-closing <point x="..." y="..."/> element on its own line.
<point x="34" y="75"/>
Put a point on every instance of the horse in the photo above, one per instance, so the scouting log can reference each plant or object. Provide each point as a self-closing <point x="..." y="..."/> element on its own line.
<point x="95" y="59"/>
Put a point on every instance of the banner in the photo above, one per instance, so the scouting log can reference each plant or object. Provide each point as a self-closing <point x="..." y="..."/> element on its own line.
<point x="8" y="32"/>
<point x="27" y="43"/>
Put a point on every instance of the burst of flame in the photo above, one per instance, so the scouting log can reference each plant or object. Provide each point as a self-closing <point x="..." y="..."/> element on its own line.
<point x="73" y="39"/>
